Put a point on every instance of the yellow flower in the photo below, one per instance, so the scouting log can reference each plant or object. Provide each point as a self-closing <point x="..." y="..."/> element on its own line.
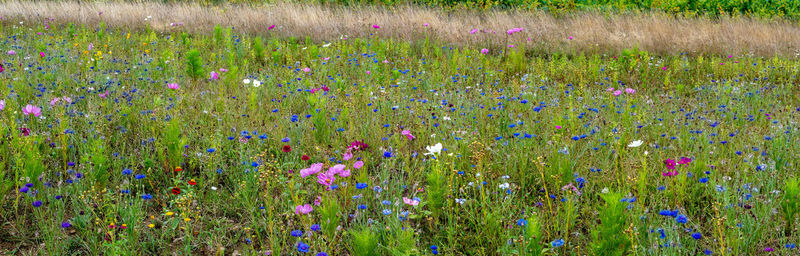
<point x="170" y="213"/>
<point x="187" y="219"/>
<point x="151" y="225"/>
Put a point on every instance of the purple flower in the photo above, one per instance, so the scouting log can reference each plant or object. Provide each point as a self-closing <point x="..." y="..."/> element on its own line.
<point x="37" y="203"/>
<point x="65" y="224"/>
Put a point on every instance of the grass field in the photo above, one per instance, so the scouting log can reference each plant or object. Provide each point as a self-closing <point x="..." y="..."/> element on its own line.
<point x="148" y="141"/>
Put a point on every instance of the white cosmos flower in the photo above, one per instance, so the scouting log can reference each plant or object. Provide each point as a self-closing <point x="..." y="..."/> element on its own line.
<point x="605" y="190"/>
<point x="326" y="45"/>
<point x="635" y="143"/>
<point x="256" y="83"/>
<point x="435" y="149"/>
<point x="504" y="185"/>
<point x="246" y="81"/>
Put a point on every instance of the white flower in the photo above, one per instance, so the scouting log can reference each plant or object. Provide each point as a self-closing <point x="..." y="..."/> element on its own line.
<point x="504" y="185"/>
<point x="435" y="149"/>
<point x="446" y="118"/>
<point x="460" y="200"/>
<point x="256" y="83"/>
<point x="635" y="143"/>
<point x="326" y="45"/>
<point x="605" y="190"/>
<point x="213" y="188"/>
<point x="246" y="81"/>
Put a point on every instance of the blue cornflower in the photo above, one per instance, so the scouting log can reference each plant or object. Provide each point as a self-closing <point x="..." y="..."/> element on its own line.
<point x="681" y="219"/>
<point x="37" y="203"/>
<point x="362" y="206"/>
<point x="361" y="185"/>
<point x="285" y="140"/>
<point x="322" y="254"/>
<point x="557" y="243"/>
<point x="127" y="171"/>
<point x="703" y="180"/>
<point x="296" y="233"/>
<point x="387" y="154"/>
<point x="302" y="247"/>
<point x="315" y="227"/>
<point x="147" y="196"/>
<point x="697" y="235"/>
<point x="140" y="176"/>
<point x="211" y="150"/>
<point x="522" y="222"/>
<point x="387" y="211"/>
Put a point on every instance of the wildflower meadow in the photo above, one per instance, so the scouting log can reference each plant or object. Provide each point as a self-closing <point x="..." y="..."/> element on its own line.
<point x="122" y="141"/>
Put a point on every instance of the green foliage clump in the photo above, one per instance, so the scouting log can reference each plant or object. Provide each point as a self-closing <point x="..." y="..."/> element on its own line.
<point x="608" y="238"/>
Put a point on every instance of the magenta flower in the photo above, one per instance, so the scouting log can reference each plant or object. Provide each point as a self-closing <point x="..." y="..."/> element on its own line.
<point x="617" y="93"/>
<point x="173" y="86"/>
<point x="610" y="89"/>
<point x="426" y="24"/>
<point x="214" y="75"/>
<point x="325" y="179"/>
<point x="303" y="209"/>
<point x="669" y="174"/>
<point x="54" y="101"/>
<point x="685" y="160"/>
<point x="345" y="173"/>
<point x="31" y="109"/>
<point x="670" y="163"/>
<point x="484" y="51"/>
<point x="358" y="164"/>
<point x="347" y="155"/>
<point x="570" y="37"/>
<point x="306" y="69"/>
<point x="2" y="104"/>
<point x="408" y="134"/>
<point x="513" y="30"/>
<point x="41" y="54"/>
<point x="474" y="31"/>
<point x="314" y="169"/>
<point x="271" y="27"/>
<point x="630" y="91"/>
<point x="66" y="99"/>
<point x="409" y="201"/>
<point x="376" y="26"/>
<point x="103" y="95"/>
<point x="11" y="52"/>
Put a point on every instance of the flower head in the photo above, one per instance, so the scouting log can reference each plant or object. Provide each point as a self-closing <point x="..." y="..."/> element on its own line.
<point x="303" y="209"/>
<point x="31" y="109"/>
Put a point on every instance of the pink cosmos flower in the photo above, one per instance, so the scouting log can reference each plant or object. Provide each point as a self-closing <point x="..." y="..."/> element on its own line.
<point x="271" y="27"/>
<point x="103" y="95"/>
<point x="66" y="99"/>
<point x="610" y="89"/>
<point x="303" y="209"/>
<point x="484" y="51"/>
<point x="54" y="101"/>
<point x="345" y="173"/>
<point x="408" y="134"/>
<point x="570" y="38"/>
<point x="223" y="70"/>
<point x="368" y="72"/>
<point x="409" y="201"/>
<point x="426" y="24"/>
<point x="669" y="174"/>
<point x="474" y="31"/>
<point x="513" y="30"/>
<point x="315" y="168"/>
<point x="173" y="86"/>
<point x="630" y="91"/>
<point x="376" y="26"/>
<point x="31" y="109"/>
<point x="558" y="127"/>
<point x="358" y="164"/>
<point x="89" y="48"/>
<point x="11" y="52"/>
<point x="41" y="54"/>
<point x="214" y="75"/>
<point x="617" y="92"/>
<point x="306" y="69"/>
<point x="347" y="155"/>
<point x="2" y="104"/>
<point x="318" y="200"/>
<point x="336" y="169"/>
<point x="325" y="179"/>
<point x="685" y="160"/>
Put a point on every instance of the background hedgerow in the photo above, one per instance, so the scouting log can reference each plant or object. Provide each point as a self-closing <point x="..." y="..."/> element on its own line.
<point x="112" y="142"/>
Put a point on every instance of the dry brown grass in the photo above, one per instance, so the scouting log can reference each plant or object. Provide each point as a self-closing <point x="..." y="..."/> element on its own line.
<point x="591" y="32"/>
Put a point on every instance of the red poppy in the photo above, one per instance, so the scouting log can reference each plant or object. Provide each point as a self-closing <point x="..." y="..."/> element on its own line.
<point x="176" y="191"/>
<point x="305" y="158"/>
<point x="287" y="148"/>
<point x="177" y="169"/>
<point x="192" y="182"/>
